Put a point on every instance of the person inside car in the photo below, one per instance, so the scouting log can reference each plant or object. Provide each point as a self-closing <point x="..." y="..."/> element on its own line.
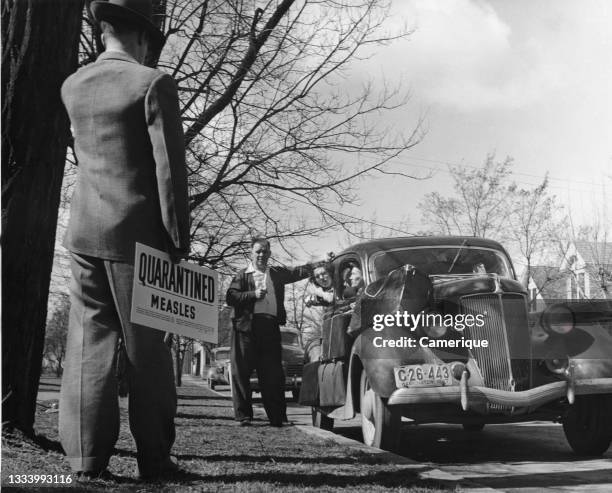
<point x="319" y="293"/>
<point x="354" y="282"/>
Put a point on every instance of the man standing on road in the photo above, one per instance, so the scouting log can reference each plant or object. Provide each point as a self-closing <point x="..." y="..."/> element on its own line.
<point x="257" y="294"/>
<point x="131" y="187"/>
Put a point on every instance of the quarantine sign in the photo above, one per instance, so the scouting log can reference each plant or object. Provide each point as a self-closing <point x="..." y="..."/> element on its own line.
<point x="178" y="298"/>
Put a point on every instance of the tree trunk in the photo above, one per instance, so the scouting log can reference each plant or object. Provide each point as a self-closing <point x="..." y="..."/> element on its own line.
<point x="59" y="370"/>
<point x="178" y="362"/>
<point x="39" y="50"/>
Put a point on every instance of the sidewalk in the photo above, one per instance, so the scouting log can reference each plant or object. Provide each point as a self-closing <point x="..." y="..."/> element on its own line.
<point x="218" y="455"/>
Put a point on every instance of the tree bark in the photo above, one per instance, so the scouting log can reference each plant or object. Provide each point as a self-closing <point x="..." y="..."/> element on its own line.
<point x="39" y="50"/>
<point x="178" y="361"/>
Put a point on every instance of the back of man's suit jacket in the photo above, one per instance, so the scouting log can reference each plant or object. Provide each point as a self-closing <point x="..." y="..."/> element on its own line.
<point x="129" y="144"/>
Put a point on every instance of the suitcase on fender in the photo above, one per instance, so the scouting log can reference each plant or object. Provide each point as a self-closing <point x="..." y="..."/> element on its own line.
<point x="309" y="390"/>
<point x="335" y="340"/>
<point x="332" y="384"/>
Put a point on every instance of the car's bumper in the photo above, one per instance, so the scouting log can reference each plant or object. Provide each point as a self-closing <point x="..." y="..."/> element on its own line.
<point x="471" y="397"/>
<point x="219" y="380"/>
<point x="291" y="382"/>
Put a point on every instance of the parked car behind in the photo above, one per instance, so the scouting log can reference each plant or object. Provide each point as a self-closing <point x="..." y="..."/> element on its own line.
<point x="379" y="362"/>
<point x="218" y="373"/>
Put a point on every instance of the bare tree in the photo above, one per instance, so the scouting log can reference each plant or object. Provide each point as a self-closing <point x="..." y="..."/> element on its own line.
<point x="39" y="50"/>
<point x="479" y="205"/>
<point x="55" y="335"/>
<point x="270" y="126"/>
<point x="533" y="223"/>
<point x="180" y="346"/>
<point x="298" y="315"/>
<point x="488" y="203"/>
<point x="274" y="139"/>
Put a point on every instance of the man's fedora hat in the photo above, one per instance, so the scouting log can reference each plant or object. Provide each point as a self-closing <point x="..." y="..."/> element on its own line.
<point x="136" y="12"/>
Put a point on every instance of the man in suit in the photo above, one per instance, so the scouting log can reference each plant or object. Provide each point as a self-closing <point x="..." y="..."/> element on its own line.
<point x="257" y="294"/>
<point x="131" y="187"/>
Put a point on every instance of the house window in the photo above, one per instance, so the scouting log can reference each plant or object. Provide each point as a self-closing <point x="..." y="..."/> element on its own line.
<point x="533" y="299"/>
<point x="581" y="287"/>
<point x="572" y="292"/>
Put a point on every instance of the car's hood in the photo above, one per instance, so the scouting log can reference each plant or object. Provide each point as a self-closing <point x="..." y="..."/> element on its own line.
<point x="292" y="354"/>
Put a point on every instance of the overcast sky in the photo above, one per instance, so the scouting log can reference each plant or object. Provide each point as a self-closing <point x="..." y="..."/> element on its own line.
<point x="531" y="79"/>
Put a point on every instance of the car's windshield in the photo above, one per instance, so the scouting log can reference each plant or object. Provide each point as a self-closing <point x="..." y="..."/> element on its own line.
<point x="221" y="355"/>
<point x="442" y="260"/>
<point x="290" y="339"/>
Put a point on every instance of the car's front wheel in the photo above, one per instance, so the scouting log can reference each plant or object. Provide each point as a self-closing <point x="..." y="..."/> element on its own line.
<point x="320" y="420"/>
<point x="587" y="424"/>
<point x="380" y="424"/>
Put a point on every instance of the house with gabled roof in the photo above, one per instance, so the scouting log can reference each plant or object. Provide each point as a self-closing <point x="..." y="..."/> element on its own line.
<point x="590" y="266"/>
<point x="584" y="272"/>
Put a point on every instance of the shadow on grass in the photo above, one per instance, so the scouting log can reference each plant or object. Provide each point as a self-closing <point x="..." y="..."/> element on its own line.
<point x="548" y="480"/>
<point x="218" y="406"/>
<point x="203" y="398"/>
<point x="255" y="459"/>
<point x="39" y="440"/>
<point x="203" y="416"/>
<point x="177" y="481"/>
<point x="119" y="452"/>
<point x="378" y="479"/>
<point x="190" y="404"/>
<point x="48" y="445"/>
<point x="48" y="384"/>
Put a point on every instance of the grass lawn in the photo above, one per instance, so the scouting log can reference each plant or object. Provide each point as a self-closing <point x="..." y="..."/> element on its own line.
<point x="218" y="455"/>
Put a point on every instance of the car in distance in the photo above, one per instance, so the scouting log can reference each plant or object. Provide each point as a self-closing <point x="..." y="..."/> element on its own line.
<point x="292" y="361"/>
<point x="218" y="373"/>
<point x="441" y="333"/>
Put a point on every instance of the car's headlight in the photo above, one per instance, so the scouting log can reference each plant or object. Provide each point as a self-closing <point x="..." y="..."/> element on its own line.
<point x="435" y="331"/>
<point x="558" y="319"/>
<point x="557" y="366"/>
<point x="432" y="325"/>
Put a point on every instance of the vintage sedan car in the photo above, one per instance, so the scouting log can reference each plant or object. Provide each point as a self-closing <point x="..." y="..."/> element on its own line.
<point x="218" y="373"/>
<point x="442" y="334"/>
<point x="292" y="360"/>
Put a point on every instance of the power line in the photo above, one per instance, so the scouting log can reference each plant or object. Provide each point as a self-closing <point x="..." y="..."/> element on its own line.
<point x="331" y="211"/>
<point x="449" y="163"/>
<point x="539" y="177"/>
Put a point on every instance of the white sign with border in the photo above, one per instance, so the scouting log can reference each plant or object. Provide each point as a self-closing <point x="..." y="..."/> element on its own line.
<point x="179" y="298"/>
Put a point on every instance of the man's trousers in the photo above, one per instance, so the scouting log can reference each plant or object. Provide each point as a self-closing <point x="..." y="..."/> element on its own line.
<point x="259" y="349"/>
<point x="101" y="293"/>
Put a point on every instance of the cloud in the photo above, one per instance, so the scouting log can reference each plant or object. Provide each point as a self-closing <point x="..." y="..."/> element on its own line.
<point x="463" y="54"/>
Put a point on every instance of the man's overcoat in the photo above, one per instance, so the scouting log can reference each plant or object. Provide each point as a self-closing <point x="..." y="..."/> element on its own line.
<point x="132" y="183"/>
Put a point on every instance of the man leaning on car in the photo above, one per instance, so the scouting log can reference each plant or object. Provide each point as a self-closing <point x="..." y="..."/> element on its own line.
<point x="257" y="295"/>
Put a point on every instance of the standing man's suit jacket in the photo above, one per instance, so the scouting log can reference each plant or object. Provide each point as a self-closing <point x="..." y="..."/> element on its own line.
<point x="132" y="183"/>
<point x="241" y="293"/>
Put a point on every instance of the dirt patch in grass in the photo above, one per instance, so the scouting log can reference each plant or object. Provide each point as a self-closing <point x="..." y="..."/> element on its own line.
<point x="215" y="454"/>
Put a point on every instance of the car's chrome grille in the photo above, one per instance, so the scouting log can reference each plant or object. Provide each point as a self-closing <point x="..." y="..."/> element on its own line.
<point x="519" y="341"/>
<point x="494" y="360"/>
<point x="504" y="364"/>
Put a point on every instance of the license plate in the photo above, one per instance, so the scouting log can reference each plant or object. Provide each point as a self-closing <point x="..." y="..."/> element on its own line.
<point x="427" y="375"/>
